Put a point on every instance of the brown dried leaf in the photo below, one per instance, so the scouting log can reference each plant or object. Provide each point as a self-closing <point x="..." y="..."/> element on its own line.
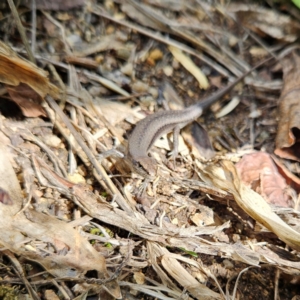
<point x="144" y="15"/>
<point x="178" y="272"/>
<point x="116" y="111"/>
<point x="292" y="180"/>
<point x="288" y="135"/>
<point x="266" y="21"/>
<point x="19" y="231"/>
<point x="15" y="70"/>
<point x="258" y="171"/>
<point x="253" y="204"/>
<point x="27" y="99"/>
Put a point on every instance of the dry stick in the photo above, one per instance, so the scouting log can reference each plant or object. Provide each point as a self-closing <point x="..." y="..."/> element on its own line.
<point x="66" y="135"/>
<point x="169" y="27"/>
<point x="88" y="137"/>
<point x="20" y="272"/>
<point x="61" y="84"/>
<point x="69" y="138"/>
<point x="113" y="190"/>
<point x="68" y="290"/>
<point x="160" y="38"/>
<point x="33" y="25"/>
<point x="252" y="34"/>
<point x="21" y="31"/>
<point x="67" y="49"/>
<point x="61" y="289"/>
<point x="62" y="29"/>
<point x="57" y="163"/>
<point x="87" y="100"/>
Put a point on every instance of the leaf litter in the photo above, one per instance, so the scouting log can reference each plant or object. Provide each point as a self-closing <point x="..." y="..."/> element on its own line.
<point x="198" y="228"/>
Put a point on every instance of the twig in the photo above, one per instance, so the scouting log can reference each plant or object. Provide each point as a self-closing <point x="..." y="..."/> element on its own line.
<point x="162" y="39"/>
<point x="33" y="25"/>
<point x="19" y="270"/>
<point x="21" y="30"/>
<point x="113" y="190"/>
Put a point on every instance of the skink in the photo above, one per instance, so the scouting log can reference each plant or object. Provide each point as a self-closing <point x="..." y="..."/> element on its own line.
<point x="148" y="130"/>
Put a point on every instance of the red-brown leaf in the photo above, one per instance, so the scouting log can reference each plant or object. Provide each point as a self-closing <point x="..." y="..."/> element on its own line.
<point x="27" y="99"/>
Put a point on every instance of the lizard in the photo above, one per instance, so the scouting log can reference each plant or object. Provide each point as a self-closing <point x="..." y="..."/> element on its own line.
<point x="149" y="129"/>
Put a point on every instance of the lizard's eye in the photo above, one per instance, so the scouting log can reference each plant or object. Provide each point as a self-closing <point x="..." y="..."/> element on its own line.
<point x="136" y="163"/>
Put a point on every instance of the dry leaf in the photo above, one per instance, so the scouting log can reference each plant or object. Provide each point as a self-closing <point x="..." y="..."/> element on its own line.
<point x="116" y="111"/>
<point x="291" y="179"/>
<point x="27" y="99"/>
<point x="197" y="289"/>
<point x="228" y="108"/>
<point x="253" y="204"/>
<point x="178" y="273"/>
<point x="265" y="21"/>
<point x="144" y="15"/>
<point x="258" y="171"/>
<point x="19" y="233"/>
<point x="15" y="70"/>
<point x="185" y="279"/>
<point x="190" y="66"/>
<point x="288" y="134"/>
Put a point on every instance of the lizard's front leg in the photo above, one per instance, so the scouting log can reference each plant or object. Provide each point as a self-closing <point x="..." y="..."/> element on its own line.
<point x="174" y="154"/>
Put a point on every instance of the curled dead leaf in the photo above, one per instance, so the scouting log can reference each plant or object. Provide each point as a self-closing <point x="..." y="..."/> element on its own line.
<point x="20" y="232"/>
<point x="258" y="171"/>
<point x="225" y="177"/>
<point x="266" y="21"/>
<point x="288" y="134"/>
<point x="15" y="70"/>
<point x="27" y="99"/>
<point x="190" y="66"/>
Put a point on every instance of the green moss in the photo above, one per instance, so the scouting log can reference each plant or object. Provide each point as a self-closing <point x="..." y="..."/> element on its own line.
<point x="8" y="293"/>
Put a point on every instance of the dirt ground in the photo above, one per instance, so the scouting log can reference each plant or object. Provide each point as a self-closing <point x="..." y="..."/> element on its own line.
<point x="81" y="218"/>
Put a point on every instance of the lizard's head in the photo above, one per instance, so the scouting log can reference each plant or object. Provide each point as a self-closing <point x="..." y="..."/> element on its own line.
<point x="145" y="165"/>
